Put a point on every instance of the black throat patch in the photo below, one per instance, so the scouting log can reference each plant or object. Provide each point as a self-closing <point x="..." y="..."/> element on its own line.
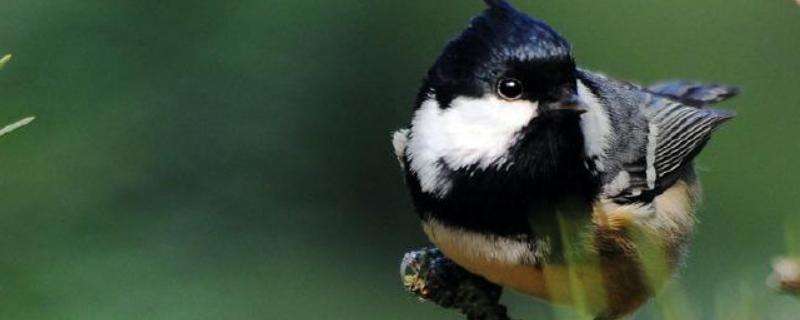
<point x="545" y="174"/>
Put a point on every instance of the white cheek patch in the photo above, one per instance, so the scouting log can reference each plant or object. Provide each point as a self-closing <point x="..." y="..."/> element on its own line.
<point x="470" y="132"/>
<point x="595" y="124"/>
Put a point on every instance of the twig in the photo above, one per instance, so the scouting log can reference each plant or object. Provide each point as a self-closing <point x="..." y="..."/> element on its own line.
<point x="429" y="275"/>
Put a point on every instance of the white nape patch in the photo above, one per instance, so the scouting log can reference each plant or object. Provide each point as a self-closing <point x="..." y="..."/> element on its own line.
<point x="399" y="142"/>
<point x="595" y="124"/>
<point x="473" y="246"/>
<point x="470" y="132"/>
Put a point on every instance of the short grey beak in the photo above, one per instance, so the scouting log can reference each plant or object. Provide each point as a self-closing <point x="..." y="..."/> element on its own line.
<point x="571" y="103"/>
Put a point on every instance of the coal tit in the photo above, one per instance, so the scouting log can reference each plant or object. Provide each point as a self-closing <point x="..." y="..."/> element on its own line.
<point x="552" y="180"/>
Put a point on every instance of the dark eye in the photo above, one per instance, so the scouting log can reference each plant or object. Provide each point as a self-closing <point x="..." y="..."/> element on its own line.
<point x="509" y="88"/>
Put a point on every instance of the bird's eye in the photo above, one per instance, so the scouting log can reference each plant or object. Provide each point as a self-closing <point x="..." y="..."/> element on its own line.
<point x="509" y="88"/>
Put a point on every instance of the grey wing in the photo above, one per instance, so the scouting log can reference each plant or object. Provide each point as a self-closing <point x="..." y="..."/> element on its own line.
<point x="399" y="141"/>
<point x="660" y="130"/>
<point x="680" y="133"/>
<point x="694" y="93"/>
<point x="676" y="134"/>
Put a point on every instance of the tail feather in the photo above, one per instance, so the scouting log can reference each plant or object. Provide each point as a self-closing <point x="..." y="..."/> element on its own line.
<point x="694" y="93"/>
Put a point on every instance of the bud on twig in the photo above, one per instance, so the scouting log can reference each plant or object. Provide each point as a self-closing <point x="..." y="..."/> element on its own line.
<point x="785" y="276"/>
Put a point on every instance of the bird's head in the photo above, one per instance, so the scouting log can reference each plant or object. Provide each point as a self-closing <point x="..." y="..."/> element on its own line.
<point x="502" y="95"/>
<point x="507" y="55"/>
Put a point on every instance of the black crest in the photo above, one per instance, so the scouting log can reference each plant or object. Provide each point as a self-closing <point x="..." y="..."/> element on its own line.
<point x="497" y="40"/>
<point x="498" y="4"/>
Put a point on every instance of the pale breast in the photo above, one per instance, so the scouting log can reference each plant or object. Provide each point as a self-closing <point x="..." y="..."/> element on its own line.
<point x="637" y="248"/>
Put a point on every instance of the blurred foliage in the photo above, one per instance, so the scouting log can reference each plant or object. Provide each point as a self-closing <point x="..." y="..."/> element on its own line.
<point x="231" y="159"/>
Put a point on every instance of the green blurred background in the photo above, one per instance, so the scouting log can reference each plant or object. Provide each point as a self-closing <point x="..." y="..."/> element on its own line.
<point x="231" y="159"/>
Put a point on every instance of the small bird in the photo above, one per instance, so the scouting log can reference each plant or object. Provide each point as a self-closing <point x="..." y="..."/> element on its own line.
<point x="552" y="180"/>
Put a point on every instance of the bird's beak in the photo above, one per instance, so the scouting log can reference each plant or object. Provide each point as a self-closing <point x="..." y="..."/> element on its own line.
<point x="571" y="103"/>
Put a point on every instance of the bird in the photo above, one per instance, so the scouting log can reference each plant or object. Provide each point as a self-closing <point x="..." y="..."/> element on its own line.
<point x="549" y="179"/>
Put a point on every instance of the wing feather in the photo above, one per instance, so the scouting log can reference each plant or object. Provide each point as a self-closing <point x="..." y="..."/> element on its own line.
<point x="682" y="133"/>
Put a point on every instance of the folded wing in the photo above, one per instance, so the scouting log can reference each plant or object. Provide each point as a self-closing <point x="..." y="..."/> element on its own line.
<point x="677" y="134"/>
